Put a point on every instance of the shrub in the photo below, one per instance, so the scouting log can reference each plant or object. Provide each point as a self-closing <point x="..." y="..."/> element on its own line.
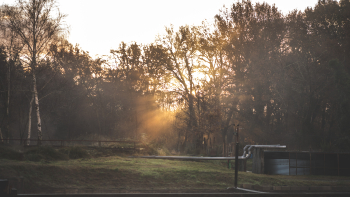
<point x="9" y="153"/>
<point x="151" y="150"/>
<point x="44" y="153"/>
<point x="75" y="152"/>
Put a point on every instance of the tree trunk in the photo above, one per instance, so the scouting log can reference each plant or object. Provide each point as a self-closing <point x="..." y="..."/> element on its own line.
<point x="224" y="130"/>
<point x="193" y="120"/>
<point x="35" y="91"/>
<point x="8" y="102"/>
<point x="37" y="109"/>
<point x="224" y="146"/>
<point x="30" y="119"/>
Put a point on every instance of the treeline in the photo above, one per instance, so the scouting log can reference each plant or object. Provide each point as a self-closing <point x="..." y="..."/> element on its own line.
<point x="283" y="79"/>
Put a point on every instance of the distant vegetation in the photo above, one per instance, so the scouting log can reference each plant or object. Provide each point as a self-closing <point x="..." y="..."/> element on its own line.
<point x="284" y="78"/>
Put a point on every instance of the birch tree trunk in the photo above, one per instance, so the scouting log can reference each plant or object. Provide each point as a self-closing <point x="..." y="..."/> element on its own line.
<point x="30" y="119"/>
<point x="36" y="104"/>
<point x="38" y="26"/>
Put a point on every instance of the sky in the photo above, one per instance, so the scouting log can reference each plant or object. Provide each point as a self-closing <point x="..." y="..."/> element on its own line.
<point x="101" y="25"/>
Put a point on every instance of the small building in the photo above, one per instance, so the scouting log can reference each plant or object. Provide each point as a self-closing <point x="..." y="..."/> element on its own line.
<point x="301" y="163"/>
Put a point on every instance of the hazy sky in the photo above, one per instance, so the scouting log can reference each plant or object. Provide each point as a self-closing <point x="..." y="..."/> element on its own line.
<point x="100" y="25"/>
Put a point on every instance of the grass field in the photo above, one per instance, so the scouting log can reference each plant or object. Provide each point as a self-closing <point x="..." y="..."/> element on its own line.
<point x="125" y="174"/>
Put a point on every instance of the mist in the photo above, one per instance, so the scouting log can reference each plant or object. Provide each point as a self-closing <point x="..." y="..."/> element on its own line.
<point x="283" y="78"/>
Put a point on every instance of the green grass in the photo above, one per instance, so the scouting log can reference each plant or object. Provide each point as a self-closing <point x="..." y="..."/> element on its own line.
<point x="120" y="172"/>
<point x="45" y="168"/>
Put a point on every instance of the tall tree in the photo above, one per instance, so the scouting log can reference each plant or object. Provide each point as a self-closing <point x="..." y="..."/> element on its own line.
<point x="12" y="46"/>
<point x="3" y="62"/>
<point x="252" y="36"/>
<point x="182" y="62"/>
<point x="35" y="25"/>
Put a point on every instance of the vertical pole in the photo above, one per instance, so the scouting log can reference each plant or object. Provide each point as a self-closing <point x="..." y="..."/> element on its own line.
<point x="236" y="165"/>
<point x="296" y="163"/>
<point x="324" y="163"/>
<point x="21" y="184"/>
<point x="338" y="163"/>
<point x="289" y="161"/>
<point x="310" y="165"/>
<point x="236" y="157"/>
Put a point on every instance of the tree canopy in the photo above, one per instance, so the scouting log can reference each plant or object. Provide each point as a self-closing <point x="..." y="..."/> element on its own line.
<point x="285" y="79"/>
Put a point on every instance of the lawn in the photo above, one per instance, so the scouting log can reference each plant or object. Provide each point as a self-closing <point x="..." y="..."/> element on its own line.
<point x="124" y="174"/>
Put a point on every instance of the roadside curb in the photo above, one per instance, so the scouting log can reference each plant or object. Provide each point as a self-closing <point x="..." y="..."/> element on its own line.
<point x="295" y="188"/>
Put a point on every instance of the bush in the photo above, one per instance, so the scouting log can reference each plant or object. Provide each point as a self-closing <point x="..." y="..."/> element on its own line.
<point x="74" y="152"/>
<point x="151" y="150"/>
<point x="44" y="153"/>
<point x="154" y="149"/>
<point x="163" y="151"/>
<point x="9" y="153"/>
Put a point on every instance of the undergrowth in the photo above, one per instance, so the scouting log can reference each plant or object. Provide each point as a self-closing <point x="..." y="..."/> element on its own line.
<point x="74" y="152"/>
<point x="9" y="153"/>
<point x="43" y="153"/>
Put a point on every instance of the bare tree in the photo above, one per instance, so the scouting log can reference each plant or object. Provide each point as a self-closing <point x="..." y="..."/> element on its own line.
<point x="182" y="62"/>
<point x="38" y="29"/>
<point x="12" y="46"/>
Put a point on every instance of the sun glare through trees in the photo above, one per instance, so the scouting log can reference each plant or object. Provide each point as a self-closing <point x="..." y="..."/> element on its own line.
<point x="283" y="77"/>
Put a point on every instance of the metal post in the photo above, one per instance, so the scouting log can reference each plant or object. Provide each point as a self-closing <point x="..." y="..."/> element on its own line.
<point x="236" y="156"/>
<point x="236" y="165"/>
<point x="296" y="163"/>
<point x="324" y="163"/>
<point x="289" y="161"/>
<point x="338" y="163"/>
<point x="310" y="164"/>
